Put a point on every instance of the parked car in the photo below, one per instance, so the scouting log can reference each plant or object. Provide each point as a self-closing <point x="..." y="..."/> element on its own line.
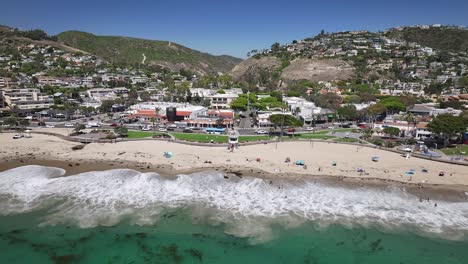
<point x="261" y="132"/>
<point x="162" y="129"/>
<point x="50" y="126"/>
<point x="146" y="128"/>
<point x="187" y="130"/>
<point x="17" y="136"/>
<point x="309" y="129"/>
<point x="114" y="125"/>
<point x="68" y="125"/>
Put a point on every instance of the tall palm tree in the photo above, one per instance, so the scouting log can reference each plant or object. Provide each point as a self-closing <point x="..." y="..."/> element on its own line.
<point x="409" y="117"/>
<point x="153" y="120"/>
<point x="157" y="109"/>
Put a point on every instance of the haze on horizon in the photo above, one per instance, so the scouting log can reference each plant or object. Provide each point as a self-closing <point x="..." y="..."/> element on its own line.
<point x="231" y="28"/>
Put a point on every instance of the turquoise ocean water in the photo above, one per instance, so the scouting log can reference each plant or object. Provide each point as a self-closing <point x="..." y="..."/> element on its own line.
<point x="123" y="216"/>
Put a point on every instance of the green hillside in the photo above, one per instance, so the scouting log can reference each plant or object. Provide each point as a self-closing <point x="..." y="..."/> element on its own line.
<point x="443" y="38"/>
<point x="131" y="50"/>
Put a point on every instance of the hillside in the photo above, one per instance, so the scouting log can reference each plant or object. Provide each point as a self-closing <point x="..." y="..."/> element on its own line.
<point x="443" y="38"/>
<point x="133" y="50"/>
<point x="12" y="38"/>
<point x="297" y="69"/>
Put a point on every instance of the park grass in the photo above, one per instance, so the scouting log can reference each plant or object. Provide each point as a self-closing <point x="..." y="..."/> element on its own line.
<point x="349" y="140"/>
<point x="253" y="138"/>
<point x="309" y="136"/>
<point x="323" y="132"/>
<point x="139" y="134"/>
<point x="456" y="150"/>
<point x="203" y="138"/>
<point x="207" y="138"/>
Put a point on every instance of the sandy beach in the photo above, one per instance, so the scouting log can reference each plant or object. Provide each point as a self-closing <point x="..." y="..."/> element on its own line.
<point x="147" y="155"/>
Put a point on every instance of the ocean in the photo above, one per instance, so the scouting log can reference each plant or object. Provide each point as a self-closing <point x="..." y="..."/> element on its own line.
<point x="124" y="216"/>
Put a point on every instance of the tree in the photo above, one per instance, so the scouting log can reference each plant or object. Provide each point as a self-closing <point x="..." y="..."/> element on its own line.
<point x="376" y="109"/>
<point x="448" y="124"/>
<point x="367" y="133"/>
<point x="348" y="112"/>
<point x="106" y="106"/>
<point x="280" y="120"/>
<point x="328" y="100"/>
<point x="391" y="131"/>
<point x="275" y="47"/>
<point x="153" y="120"/>
<point x="145" y="96"/>
<point x="24" y="122"/>
<point x="121" y="131"/>
<point x="352" y="99"/>
<point x="277" y="95"/>
<point x="79" y="127"/>
<point x="11" y="121"/>
<point x="132" y="94"/>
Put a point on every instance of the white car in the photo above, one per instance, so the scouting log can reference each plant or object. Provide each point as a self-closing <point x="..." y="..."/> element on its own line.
<point x="146" y="128"/>
<point x="50" y="126"/>
<point x="261" y="132"/>
<point x="17" y="136"/>
<point x="162" y="129"/>
<point x="309" y="129"/>
<point x="69" y="125"/>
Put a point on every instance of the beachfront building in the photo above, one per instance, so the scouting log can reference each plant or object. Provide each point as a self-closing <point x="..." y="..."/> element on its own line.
<point x="185" y="115"/>
<point x="222" y="101"/>
<point x="307" y="111"/>
<point x="421" y="131"/>
<point x="263" y="117"/>
<point x="26" y="99"/>
<point x="202" y="92"/>
<point x="426" y="110"/>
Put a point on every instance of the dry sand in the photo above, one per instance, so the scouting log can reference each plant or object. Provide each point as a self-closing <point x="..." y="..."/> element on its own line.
<point x="148" y="155"/>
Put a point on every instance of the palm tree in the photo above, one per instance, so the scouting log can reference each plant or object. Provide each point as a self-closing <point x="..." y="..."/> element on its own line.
<point x="409" y="117"/>
<point x="157" y="109"/>
<point x="153" y="120"/>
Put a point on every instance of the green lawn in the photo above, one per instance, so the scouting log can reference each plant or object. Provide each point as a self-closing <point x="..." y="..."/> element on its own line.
<point x="456" y="150"/>
<point x="351" y="140"/>
<point x="322" y="132"/>
<point x="141" y="134"/>
<point x="309" y="136"/>
<point x="253" y="138"/>
<point x="204" y="138"/>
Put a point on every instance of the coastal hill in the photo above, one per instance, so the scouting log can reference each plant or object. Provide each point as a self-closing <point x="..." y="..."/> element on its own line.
<point x="119" y="49"/>
<point x="451" y="39"/>
<point x="11" y="38"/>
<point x="297" y="69"/>
<point x="353" y="54"/>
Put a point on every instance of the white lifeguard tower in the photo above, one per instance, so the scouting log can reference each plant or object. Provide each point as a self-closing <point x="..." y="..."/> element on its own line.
<point x="233" y="138"/>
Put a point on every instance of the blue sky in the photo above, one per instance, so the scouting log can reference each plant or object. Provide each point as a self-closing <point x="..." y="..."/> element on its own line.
<point x="227" y="27"/>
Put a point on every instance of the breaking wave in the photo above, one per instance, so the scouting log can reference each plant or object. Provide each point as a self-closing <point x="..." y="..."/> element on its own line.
<point x="247" y="207"/>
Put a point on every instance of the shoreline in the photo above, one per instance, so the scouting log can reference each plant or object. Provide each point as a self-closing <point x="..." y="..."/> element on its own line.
<point x="332" y="163"/>
<point x="450" y="193"/>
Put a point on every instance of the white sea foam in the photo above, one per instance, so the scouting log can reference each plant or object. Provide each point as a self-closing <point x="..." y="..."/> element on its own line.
<point x="246" y="206"/>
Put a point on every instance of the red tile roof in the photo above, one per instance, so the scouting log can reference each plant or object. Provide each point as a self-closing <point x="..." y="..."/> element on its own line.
<point x="183" y="113"/>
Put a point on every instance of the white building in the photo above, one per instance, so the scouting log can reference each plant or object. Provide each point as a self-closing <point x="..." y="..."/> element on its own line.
<point x="222" y="101"/>
<point x="101" y="94"/>
<point x="202" y="92"/>
<point x="27" y="98"/>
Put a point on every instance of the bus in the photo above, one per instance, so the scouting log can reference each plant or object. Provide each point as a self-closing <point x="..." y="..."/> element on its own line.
<point x="213" y="130"/>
